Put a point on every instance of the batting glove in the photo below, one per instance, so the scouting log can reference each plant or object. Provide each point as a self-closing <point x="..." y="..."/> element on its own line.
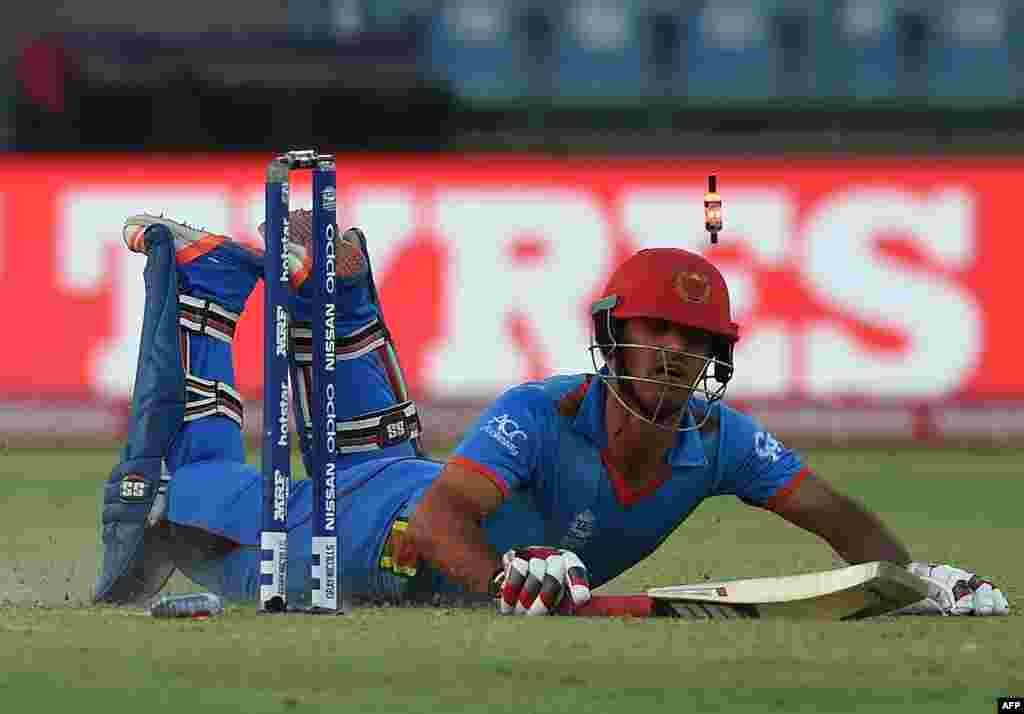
<point x="536" y="579"/>
<point x="952" y="591"/>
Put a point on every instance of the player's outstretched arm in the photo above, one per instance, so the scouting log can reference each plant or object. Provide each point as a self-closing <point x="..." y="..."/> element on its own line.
<point x="856" y="534"/>
<point x="859" y="536"/>
<point x="446" y="527"/>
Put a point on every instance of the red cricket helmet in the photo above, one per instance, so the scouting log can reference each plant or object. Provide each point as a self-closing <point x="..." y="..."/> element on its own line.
<point x="675" y="285"/>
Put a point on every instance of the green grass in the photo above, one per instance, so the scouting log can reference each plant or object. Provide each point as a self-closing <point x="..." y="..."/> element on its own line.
<point x="59" y="652"/>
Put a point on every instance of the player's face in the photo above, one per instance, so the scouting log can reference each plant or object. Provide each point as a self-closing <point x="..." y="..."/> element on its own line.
<point x="679" y="359"/>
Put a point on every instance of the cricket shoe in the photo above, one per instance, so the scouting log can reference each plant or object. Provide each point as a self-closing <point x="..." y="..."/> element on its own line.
<point x="210" y="266"/>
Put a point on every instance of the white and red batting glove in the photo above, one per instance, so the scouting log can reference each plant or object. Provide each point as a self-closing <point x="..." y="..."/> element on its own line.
<point x="536" y="579"/>
<point x="952" y="591"/>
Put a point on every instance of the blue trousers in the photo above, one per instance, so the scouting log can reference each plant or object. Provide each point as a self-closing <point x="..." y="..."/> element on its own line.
<point x="225" y="499"/>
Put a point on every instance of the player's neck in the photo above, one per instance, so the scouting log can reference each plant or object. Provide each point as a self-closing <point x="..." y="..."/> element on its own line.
<point x="636" y="448"/>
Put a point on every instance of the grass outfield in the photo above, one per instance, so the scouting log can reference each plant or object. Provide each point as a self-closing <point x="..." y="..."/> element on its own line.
<point x="952" y="505"/>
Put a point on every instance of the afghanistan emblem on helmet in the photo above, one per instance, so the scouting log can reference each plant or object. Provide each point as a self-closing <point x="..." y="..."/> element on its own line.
<point x="692" y="287"/>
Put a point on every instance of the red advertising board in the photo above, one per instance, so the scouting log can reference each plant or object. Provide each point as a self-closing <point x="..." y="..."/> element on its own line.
<point x="891" y="279"/>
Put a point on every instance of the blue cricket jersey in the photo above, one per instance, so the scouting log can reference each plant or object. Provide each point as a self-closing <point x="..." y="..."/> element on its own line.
<point x="561" y="492"/>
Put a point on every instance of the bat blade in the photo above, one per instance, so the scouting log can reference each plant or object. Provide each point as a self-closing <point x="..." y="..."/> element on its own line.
<point x="854" y="592"/>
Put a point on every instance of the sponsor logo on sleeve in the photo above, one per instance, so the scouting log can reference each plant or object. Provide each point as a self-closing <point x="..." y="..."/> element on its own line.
<point x="506" y="432"/>
<point x="767" y="446"/>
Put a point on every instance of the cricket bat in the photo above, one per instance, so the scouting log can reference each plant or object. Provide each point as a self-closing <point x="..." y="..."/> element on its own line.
<point x="850" y="593"/>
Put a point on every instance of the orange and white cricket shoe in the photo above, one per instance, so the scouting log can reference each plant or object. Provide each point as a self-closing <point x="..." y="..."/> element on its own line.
<point x="189" y="242"/>
<point x="210" y="266"/>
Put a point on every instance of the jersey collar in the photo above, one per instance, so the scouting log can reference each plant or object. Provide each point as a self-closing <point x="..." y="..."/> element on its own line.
<point x="590" y="421"/>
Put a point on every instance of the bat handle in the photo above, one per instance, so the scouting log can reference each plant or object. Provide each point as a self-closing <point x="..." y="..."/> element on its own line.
<point x="638" y="605"/>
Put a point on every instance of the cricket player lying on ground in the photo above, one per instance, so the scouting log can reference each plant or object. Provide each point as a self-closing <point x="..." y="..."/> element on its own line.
<point x="565" y="482"/>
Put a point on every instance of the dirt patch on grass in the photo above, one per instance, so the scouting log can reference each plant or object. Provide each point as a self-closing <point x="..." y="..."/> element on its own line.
<point x="46" y="583"/>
